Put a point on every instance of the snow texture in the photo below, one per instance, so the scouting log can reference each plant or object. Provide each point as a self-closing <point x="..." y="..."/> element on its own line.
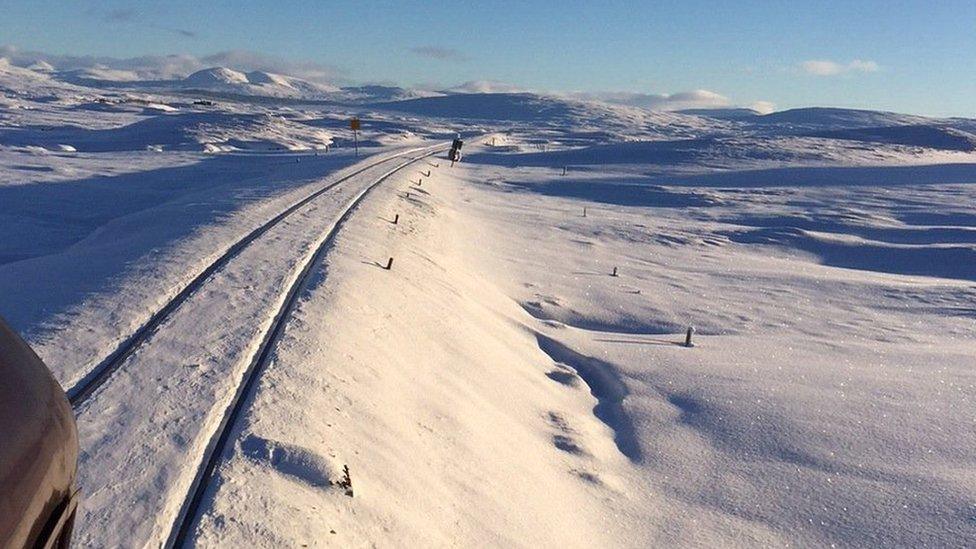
<point x="519" y="376"/>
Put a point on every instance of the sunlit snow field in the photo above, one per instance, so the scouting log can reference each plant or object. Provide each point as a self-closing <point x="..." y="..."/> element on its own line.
<point x="518" y="378"/>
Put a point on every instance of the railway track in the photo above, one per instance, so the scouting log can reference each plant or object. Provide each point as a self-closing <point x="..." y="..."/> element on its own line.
<point x="154" y="434"/>
<point x="97" y="376"/>
<point x="187" y="519"/>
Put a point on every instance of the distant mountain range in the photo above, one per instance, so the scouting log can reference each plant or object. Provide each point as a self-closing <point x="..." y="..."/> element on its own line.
<point x="616" y="121"/>
<point x="226" y="81"/>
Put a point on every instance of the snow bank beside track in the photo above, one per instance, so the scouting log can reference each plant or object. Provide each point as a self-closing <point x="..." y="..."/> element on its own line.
<point x="425" y="382"/>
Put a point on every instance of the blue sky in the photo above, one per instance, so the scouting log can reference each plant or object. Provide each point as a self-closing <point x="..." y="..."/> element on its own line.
<point x="917" y="57"/>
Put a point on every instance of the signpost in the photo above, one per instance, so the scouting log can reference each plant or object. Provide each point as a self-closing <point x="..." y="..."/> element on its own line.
<point x="354" y="125"/>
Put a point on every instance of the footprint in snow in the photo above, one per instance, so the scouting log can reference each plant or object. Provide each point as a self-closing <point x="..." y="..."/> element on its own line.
<point x="299" y="463"/>
<point x="564" y="375"/>
<point x="565" y="439"/>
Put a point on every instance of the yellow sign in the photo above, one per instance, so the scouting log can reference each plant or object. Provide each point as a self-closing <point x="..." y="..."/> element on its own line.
<point x="354" y="124"/>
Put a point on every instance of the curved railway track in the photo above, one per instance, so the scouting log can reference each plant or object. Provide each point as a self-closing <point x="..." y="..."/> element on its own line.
<point x="186" y="520"/>
<point x="97" y="376"/>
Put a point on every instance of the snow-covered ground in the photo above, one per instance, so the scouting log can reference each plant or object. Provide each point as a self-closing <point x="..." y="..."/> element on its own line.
<point x="499" y="385"/>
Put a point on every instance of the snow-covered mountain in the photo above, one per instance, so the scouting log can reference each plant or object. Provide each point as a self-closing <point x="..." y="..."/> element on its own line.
<point x="20" y="82"/>
<point x="41" y="66"/>
<point x="260" y="83"/>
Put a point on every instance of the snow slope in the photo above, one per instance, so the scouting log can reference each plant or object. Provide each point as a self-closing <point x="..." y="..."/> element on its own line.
<point x="20" y="83"/>
<point x="834" y="118"/>
<point x="930" y="136"/>
<point x="825" y="402"/>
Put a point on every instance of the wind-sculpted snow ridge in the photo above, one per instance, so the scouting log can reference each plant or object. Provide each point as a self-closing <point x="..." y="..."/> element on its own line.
<point x="606" y="386"/>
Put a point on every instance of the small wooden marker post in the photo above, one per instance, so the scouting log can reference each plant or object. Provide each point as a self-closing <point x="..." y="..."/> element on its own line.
<point x="614" y="273"/>
<point x="354" y="125"/>
<point x="584" y="211"/>
<point x="564" y="170"/>
<point x="396" y="219"/>
<point x="389" y="264"/>
<point x="691" y="331"/>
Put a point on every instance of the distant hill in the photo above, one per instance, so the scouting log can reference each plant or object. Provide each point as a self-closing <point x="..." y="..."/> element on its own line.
<point x="923" y="135"/>
<point x="835" y="118"/>
<point x="483" y="106"/>
<point x="624" y="122"/>
<point x="376" y="93"/>
<point x="30" y="83"/>
<point x="723" y="114"/>
<point x="870" y="127"/>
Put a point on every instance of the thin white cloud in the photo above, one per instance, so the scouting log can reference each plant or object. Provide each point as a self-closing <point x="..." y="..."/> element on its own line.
<point x="439" y="53"/>
<point x="824" y="67"/>
<point x="694" y="99"/>
<point x="762" y="107"/>
<point x="863" y="66"/>
<point x="128" y="16"/>
<point x="182" y="32"/>
<point x="486" y="86"/>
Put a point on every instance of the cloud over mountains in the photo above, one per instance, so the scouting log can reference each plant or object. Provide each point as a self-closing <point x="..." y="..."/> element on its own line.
<point x="170" y="67"/>
<point x="179" y="66"/>
<point x="824" y="67"/>
<point x="439" y="53"/>
<point x="694" y="99"/>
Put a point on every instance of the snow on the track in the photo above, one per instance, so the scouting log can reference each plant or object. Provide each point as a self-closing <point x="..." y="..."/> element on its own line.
<point x="175" y="388"/>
